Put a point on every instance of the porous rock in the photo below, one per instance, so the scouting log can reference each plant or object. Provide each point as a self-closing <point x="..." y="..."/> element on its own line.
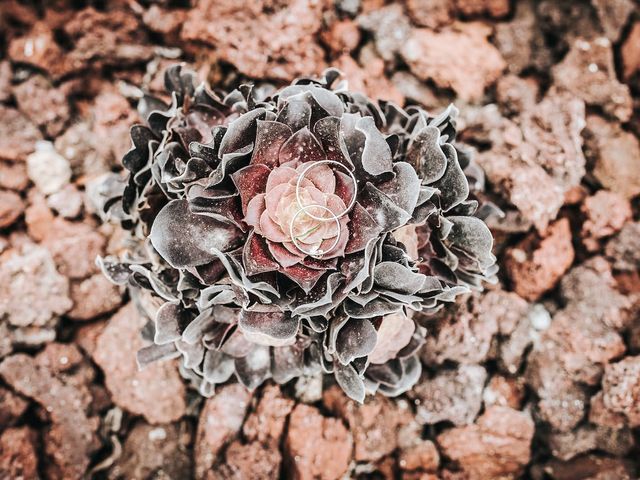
<point x="521" y="40"/>
<point x="583" y="344"/>
<point x="493" y="8"/>
<point x="73" y="245"/>
<point x="79" y="145"/>
<point x="496" y="446"/>
<point x="577" y="347"/>
<point x="5" y="80"/>
<point x="107" y="38"/>
<point x="267" y="422"/>
<point x="164" y="21"/>
<point x="412" y="88"/>
<point x="453" y="395"/>
<point x="588" y="72"/>
<point x="18" y="457"/>
<point x="18" y="136"/>
<point x="605" y="214"/>
<point x="252" y="460"/>
<point x="13" y="176"/>
<point x="390" y="27"/>
<point x="369" y="78"/>
<point x="220" y="422"/>
<point x="11" y="207"/>
<point x="70" y="439"/>
<point x="39" y="48"/>
<point x="624" y="249"/>
<point x="316" y="447"/>
<point x="32" y="292"/>
<point x="156" y="392"/>
<point x="430" y="13"/>
<point x="630" y="52"/>
<point x="421" y="457"/>
<point x="613" y="15"/>
<point x="534" y="158"/>
<point x="514" y="343"/>
<point x="375" y="425"/>
<point x="621" y="386"/>
<point x="599" y="414"/>
<point x="585" y="438"/>
<point x="241" y="34"/>
<point x="44" y="104"/>
<point x="342" y="36"/>
<point x="507" y="308"/>
<point x="591" y="289"/>
<point x="475" y="65"/>
<point x="515" y="94"/>
<point x="615" y="154"/>
<point x="112" y="119"/>
<point x="504" y="391"/>
<point x="593" y="466"/>
<point x="155" y="451"/>
<point x="67" y="202"/>
<point x="562" y="402"/>
<point x="553" y="127"/>
<point x="463" y="334"/>
<point x="535" y="265"/>
<point x="47" y="169"/>
<point x="93" y="297"/>
<point x="12" y="406"/>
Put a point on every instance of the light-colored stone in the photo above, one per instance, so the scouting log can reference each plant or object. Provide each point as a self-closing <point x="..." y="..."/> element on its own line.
<point x="453" y="395"/>
<point x="32" y="292"/>
<point x="49" y="170"/>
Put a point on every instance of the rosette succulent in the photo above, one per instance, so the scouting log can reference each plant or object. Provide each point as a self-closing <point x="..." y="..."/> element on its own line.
<point x="305" y="232"/>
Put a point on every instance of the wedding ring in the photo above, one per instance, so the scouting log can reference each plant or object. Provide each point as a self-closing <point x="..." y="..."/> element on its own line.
<point x="316" y="253"/>
<point x="326" y="162"/>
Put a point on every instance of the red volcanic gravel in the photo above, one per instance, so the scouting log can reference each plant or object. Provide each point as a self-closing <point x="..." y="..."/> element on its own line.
<point x="536" y="377"/>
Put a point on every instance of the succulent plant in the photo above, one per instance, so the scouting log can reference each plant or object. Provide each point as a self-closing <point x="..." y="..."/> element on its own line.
<point x="310" y="231"/>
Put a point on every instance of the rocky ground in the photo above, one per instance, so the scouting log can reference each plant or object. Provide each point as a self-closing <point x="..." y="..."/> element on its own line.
<point x="538" y="377"/>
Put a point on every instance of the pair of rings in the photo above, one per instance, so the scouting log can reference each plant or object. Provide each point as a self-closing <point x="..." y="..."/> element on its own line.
<point x="333" y="217"/>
